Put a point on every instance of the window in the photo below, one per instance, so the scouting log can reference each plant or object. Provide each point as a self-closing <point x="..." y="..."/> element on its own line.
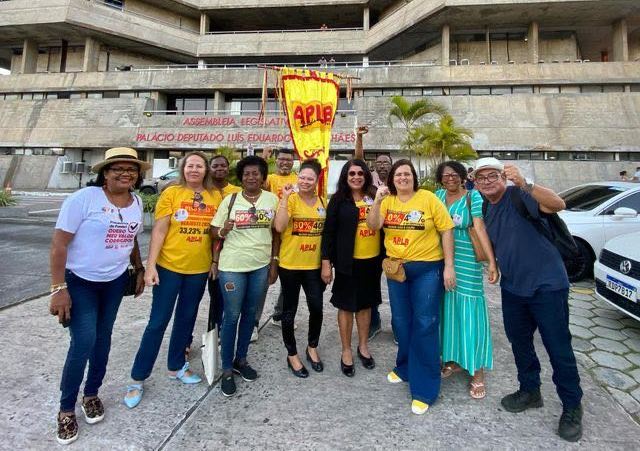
<point x="632" y="201"/>
<point x="480" y="91"/>
<point x="522" y="89"/>
<point x="605" y="156"/>
<point x="111" y="95"/>
<point x="613" y="88"/>
<point x="500" y="90"/>
<point x="94" y="95"/>
<point x="586" y="198"/>
<point x="591" y="88"/>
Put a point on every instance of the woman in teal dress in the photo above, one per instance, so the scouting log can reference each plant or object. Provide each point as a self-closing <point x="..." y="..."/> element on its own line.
<point x="464" y="321"/>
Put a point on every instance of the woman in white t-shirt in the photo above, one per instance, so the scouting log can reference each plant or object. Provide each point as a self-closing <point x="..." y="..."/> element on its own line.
<point x="93" y="242"/>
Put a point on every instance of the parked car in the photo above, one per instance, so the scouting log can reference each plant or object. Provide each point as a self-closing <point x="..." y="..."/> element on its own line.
<point x="596" y="213"/>
<point x="617" y="274"/>
<point x="155" y="185"/>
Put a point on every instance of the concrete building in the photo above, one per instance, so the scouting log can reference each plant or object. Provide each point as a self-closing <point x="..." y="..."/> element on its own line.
<point x="554" y="84"/>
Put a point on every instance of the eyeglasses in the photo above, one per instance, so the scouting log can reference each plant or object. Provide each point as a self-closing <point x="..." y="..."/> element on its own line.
<point x="451" y="176"/>
<point x="482" y="179"/>
<point x="120" y="171"/>
<point x="197" y="201"/>
<point x="356" y="173"/>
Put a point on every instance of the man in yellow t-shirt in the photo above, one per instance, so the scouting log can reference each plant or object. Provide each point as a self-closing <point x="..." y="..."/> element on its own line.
<point x="283" y="176"/>
<point x="275" y="183"/>
<point x="222" y="188"/>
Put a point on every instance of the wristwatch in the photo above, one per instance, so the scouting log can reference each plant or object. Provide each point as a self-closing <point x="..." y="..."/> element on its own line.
<point x="528" y="185"/>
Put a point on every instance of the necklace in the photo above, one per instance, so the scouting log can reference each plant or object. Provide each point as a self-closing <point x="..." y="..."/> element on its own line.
<point x="251" y="198"/>
<point x="112" y="202"/>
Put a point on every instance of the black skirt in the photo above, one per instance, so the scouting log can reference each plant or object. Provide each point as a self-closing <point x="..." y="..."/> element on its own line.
<point x="360" y="290"/>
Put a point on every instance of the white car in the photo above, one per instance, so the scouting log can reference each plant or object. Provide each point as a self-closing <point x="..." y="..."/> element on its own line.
<point x="597" y="212"/>
<point x="617" y="274"/>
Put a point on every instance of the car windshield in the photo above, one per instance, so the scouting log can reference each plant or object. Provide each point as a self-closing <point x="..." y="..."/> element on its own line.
<point x="583" y="198"/>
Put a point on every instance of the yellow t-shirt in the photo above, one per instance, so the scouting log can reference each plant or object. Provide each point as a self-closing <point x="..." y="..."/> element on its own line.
<point x="229" y="189"/>
<point x="300" y="246"/>
<point x="411" y="228"/>
<point x="367" y="244"/>
<point x="276" y="182"/>
<point x="187" y="246"/>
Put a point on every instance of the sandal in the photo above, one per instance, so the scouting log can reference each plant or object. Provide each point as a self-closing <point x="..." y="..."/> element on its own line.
<point x="477" y="390"/>
<point x="449" y="369"/>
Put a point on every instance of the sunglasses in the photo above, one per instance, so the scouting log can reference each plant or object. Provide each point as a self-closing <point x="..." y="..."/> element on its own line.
<point x="354" y="173"/>
<point x="197" y="201"/>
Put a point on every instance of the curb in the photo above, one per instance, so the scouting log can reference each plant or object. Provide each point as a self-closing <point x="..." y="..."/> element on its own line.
<point x="27" y="221"/>
<point x="22" y="301"/>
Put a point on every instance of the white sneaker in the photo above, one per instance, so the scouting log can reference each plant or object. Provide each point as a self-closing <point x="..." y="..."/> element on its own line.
<point x="419" y="407"/>
<point x="254" y="335"/>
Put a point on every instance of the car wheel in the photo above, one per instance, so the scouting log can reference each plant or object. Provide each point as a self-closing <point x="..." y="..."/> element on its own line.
<point x="581" y="267"/>
<point x="147" y="190"/>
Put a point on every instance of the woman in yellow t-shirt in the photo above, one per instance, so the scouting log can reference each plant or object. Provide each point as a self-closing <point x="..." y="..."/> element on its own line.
<point x="177" y="267"/>
<point x="300" y="220"/>
<point x="417" y="230"/>
<point x="353" y="249"/>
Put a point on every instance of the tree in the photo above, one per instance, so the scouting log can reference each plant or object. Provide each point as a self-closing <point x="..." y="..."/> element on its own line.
<point x="442" y="141"/>
<point x="408" y="113"/>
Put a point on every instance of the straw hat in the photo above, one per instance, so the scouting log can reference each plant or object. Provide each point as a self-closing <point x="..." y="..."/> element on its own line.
<point x="120" y="154"/>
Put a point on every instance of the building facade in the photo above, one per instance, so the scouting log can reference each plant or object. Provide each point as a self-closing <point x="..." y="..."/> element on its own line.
<point x="553" y="84"/>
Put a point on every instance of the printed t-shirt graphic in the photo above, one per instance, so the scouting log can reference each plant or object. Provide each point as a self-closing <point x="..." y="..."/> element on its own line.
<point x="276" y="182"/>
<point x="367" y="244"/>
<point x="411" y="228"/>
<point x="187" y="246"/>
<point x="103" y="234"/>
<point x="300" y="247"/>
<point x="247" y="247"/>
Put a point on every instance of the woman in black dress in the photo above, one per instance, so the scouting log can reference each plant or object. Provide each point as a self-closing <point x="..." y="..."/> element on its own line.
<point x="355" y="252"/>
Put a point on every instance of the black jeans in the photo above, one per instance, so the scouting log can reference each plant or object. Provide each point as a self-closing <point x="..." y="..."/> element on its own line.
<point x="547" y="311"/>
<point x="313" y="286"/>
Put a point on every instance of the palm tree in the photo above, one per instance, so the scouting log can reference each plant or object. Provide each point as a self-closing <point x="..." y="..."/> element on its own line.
<point x="442" y="141"/>
<point x="408" y="113"/>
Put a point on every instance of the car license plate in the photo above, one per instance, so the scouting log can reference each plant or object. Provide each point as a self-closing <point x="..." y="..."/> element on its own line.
<point x="623" y="289"/>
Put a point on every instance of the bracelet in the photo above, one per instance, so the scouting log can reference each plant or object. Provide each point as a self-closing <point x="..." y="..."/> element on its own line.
<point x="57" y="287"/>
<point x="220" y="235"/>
<point x="275" y="257"/>
<point x="56" y="291"/>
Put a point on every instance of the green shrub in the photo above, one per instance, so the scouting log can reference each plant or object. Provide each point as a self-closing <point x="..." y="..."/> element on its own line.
<point x="430" y="184"/>
<point x="149" y="202"/>
<point x="6" y="199"/>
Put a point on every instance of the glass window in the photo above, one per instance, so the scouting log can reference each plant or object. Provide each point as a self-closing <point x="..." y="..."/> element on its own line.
<point x="127" y="94"/>
<point x="632" y="201"/>
<point x="372" y="92"/>
<point x="194" y="105"/>
<point x="505" y="155"/>
<point x="392" y="92"/>
<point x="522" y="89"/>
<point x="11" y="96"/>
<point x="548" y="89"/>
<point x="536" y="155"/>
<point x="94" y="95"/>
<point x="635" y="88"/>
<point x="500" y="90"/>
<point x="434" y="91"/>
<point x="480" y="91"/>
<point x="412" y="92"/>
<point x="52" y="95"/>
<point x="64" y="95"/>
<point x="459" y="91"/>
<point x="591" y="88"/>
<point x="605" y="156"/>
<point x="75" y="95"/>
<point x="524" y="155"/>
<point x="570" y="89"/>
<point x="551" y="155"/>
<point x="586" y="198"/>
<point x="111" y="95"/>
<point x="143" y="94"/>
<point x="613" y="88"/>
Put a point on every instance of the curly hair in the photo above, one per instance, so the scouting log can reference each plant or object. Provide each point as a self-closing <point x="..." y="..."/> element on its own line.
<point x="343" y="191"/>
<point x="252" y="160"/>
<point x="458" y="168"/>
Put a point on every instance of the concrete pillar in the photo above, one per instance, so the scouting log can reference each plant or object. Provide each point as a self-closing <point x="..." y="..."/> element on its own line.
<point x="365" y="18"/>
<point x="91" y="55"/>
<point x="620" y="41"/>
<point x="159" y="101"/>
<point x="487" y="40"/>
<point x="218" y="101"/>
<point x="533" y="43"/>
<point x="29" y="63"/>
<point x="205" y="22"/>
<point x="446" y="43"/>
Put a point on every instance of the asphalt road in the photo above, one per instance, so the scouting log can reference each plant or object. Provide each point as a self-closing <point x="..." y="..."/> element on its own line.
<point x="24" y="260"/>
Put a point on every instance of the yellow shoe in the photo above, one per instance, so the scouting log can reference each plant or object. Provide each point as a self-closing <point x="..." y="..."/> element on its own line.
<point x="419" y="407"/>
<point x="393" y="378"/>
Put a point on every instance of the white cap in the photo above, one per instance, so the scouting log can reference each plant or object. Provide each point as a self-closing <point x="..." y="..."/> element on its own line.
<point x="488" y="163"/>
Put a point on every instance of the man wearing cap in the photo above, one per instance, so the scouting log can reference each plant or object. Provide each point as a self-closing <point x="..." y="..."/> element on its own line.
<point x="535" y="289"/>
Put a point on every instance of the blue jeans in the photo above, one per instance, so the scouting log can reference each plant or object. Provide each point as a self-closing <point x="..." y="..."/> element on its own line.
<point x="547" y="311"/>
<point x="415" y="310"/>
<point x="188" y="290"/>
<point x="242" y="291"/>
<point x="93" y="312"/>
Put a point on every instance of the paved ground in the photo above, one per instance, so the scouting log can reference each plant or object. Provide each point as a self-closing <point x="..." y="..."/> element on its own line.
<point x="278" y="411"/>
<point x="607" y="343"/>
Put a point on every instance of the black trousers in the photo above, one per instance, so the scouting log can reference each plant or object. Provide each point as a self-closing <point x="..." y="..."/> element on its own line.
<point x="291" y="280"/>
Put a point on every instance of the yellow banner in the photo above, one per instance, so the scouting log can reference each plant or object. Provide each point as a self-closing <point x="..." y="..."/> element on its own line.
<point x="311" y="100"/>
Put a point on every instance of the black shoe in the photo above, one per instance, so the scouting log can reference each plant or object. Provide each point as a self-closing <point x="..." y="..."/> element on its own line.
<point x="367" y="362"/>
<point x="521" y="401"/>
<point x="317" y="366"/>
<point x="301" y="373"/>
<point x="570" y="426"/>
<point x="347" y="370"/>
<point x="245" y="371"/>
<point x="228" y="385"/>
